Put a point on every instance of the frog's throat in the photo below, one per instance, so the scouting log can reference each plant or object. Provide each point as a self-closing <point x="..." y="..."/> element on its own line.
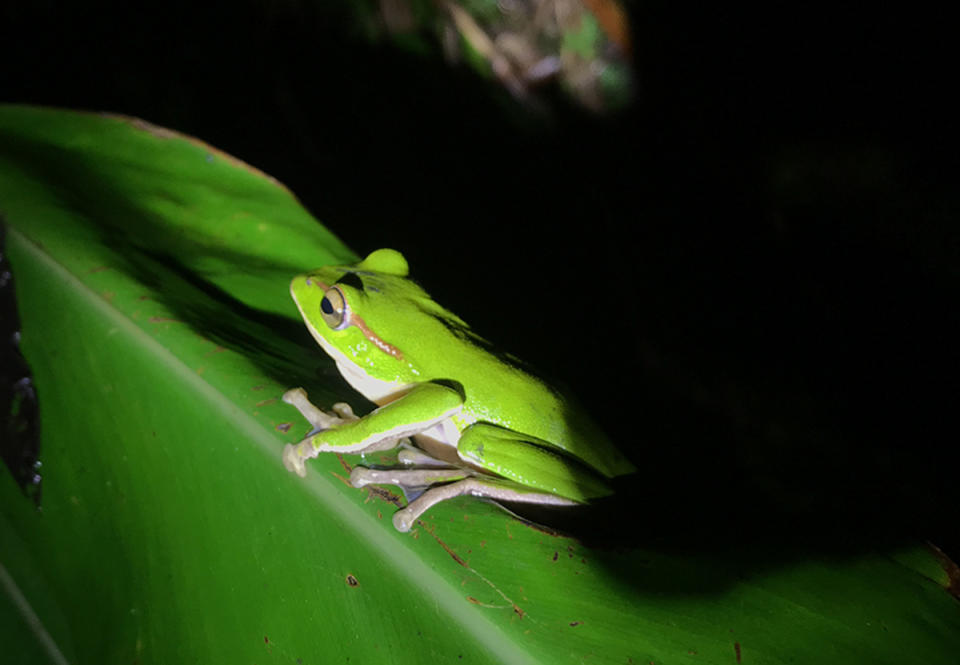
<point x="376" y="390"/>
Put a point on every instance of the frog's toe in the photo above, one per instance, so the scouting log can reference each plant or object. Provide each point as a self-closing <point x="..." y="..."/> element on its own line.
<point x="403" y="520"/>
<point x="295" y="396"/>
<point x="293" y="461"/>
<point x="344" y="411"/>
<point x="360" y="476"/>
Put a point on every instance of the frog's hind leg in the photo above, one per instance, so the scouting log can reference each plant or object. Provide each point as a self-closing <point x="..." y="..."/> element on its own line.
<point x="408" y="479"/>
<point x="479" y="486"/>
<point x="413" y="482"/>
<point x="519" y="468"/>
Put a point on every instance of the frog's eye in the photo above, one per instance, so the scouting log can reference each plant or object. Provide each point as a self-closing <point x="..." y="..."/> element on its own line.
<point x="334" y="310"/>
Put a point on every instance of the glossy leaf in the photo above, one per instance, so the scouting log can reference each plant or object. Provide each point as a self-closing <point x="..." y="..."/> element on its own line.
<point x="151" y="278"/>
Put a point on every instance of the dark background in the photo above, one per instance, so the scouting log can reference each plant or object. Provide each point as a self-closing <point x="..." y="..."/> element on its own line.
<point x="750" y="276"/>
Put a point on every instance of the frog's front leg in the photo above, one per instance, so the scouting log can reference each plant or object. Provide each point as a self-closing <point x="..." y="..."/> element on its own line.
<point x="320" y="419"/>
<point x="424" y="406"/>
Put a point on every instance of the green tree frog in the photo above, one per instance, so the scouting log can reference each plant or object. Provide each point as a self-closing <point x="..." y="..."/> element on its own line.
<point x="482" y="424"/>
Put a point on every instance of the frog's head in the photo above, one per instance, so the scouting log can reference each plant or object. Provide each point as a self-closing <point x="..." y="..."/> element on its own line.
<point x="371" y="319"/>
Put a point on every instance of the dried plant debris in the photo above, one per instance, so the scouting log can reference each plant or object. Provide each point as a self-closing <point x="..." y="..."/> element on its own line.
<point x="582" y="46"/>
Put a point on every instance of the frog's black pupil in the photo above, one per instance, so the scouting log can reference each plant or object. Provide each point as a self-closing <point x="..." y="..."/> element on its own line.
<point x="326" y="305"/>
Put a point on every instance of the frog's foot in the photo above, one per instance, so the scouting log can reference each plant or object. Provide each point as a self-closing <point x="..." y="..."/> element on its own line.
<point x="319" y="419"/>
<point x="294" y="456"/>
<point x="490" y="488"/>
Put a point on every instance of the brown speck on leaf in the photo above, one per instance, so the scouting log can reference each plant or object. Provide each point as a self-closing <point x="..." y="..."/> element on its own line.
<point x="284" y="427"/>
<point x="380" y="492"/>
<point x="265" y="402"/>
<point x="99" y="269"/>
<point x="352" y="581"/>
<point x="574" y="624"/>
<point x="447" y="549"/>
<point x="556" y="555"/>
<point x="266" y="640"/>
<point x="736" y="649"/>
<point x="517" y="611"/>
<point x="473" y="600"/>
<point x="257" y="388"/>
<point x="341" y="479"/>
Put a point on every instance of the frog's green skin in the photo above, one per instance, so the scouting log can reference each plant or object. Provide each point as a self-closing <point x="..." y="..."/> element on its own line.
<point x="497" y="430"/>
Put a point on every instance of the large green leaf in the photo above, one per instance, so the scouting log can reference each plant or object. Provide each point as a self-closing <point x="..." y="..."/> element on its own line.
<point x="151" y="277"/>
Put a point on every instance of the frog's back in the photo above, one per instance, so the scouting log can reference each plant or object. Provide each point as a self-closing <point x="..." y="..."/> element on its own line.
<point x="499" y="389"/>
